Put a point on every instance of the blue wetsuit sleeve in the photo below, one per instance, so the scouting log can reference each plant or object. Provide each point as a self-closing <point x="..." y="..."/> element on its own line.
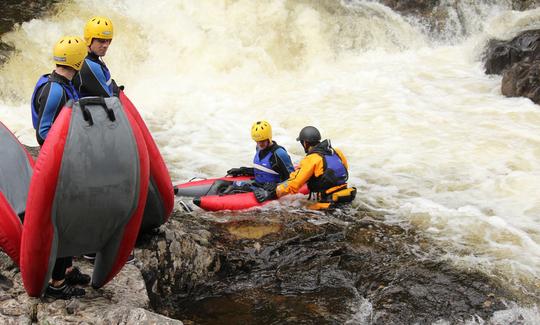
<point x="92" y="80"/>
<point x="51" y="102"/>
<point x="99" y="74"/>
<point x="284" y="163"/>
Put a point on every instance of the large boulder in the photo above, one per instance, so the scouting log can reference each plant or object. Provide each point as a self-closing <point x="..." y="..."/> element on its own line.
<point x="522" y="80"/>
<point x="501" y="55"/>
<point x="269" y="267"/>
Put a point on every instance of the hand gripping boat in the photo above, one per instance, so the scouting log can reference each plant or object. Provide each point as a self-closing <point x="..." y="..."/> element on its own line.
<point x="207" y="193"/>
<point x="15" y="172"/>
<point x="87" y="193"/>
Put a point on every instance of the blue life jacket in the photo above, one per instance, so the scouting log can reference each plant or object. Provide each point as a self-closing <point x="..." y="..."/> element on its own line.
<point x="334" y="173"/>
<point x="262" y="176"/>
<point x="70" y="92"/>
<point x="335" y="164"/>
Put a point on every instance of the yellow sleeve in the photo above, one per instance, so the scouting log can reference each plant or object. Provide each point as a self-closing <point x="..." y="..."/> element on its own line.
<point x="299" y="177"/>
<point x="342" y="157"/>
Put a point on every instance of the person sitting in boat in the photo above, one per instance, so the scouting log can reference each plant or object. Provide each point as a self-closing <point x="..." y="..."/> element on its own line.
<point x="94" y="79"/>
<point x="324" y="169"/>
<point x="51" y="93"/>
<point x="271" y="163"/>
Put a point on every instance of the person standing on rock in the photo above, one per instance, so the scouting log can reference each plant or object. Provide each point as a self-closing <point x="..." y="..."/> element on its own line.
<point x="324" y="169"/>
<point x="51" y="93"/>
<point x="94" y="78"/>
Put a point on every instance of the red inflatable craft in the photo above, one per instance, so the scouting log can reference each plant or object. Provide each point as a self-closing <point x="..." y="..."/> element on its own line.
<point x="87" y="193"/>
<point x="201" y="187"/>
<point x="209" y="194"/>
<point x="15" y="170"/>
<point x="160" y="201"/>
<point x="10" y="230"/>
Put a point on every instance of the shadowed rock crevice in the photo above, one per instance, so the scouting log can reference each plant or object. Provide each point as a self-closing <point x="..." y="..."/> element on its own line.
<point x="314" y="269"/>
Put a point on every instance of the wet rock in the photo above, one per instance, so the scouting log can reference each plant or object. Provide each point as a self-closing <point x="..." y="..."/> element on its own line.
<point x="122" y="301"/>
<point x="423" y="7"/>
<point x="18" y="11"/>
<point x="419" y="7"/>
<point x="525" y="4"/>
<point x="501" y="55"/>
<point x="176" y="258"/>
<point x="271" y="267"/>
<point x="522" y="80"/>
<point x="446" y="19"/>
<point x="315" y="269"/>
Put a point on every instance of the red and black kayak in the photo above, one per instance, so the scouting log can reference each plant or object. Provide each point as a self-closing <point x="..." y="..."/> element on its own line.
<point x="16" y="167"/>
<point x="87" y="193"/>
<point x="208" y="193"/>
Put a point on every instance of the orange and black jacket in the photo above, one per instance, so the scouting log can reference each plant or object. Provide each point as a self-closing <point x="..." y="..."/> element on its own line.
<point x="324" y="169"/>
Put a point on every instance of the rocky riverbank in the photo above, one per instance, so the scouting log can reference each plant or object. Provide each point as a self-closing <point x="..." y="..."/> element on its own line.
<point x="272" y="267"/>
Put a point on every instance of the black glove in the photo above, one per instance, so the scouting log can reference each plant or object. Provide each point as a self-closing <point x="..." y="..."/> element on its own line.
<point x="263" y="195"/>
<point x="240" y="171"/>
<point x="270" y="187"/>
<point x="115" y="89"/>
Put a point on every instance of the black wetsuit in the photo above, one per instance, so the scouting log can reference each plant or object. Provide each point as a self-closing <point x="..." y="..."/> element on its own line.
<point x="48" y="102"/>
<point x="94" y="79"/>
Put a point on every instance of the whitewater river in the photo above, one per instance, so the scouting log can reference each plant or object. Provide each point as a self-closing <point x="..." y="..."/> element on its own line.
<point x="430" y="140"/>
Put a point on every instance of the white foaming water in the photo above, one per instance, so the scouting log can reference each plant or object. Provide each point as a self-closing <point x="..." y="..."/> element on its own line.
<point x="429" y="138"/>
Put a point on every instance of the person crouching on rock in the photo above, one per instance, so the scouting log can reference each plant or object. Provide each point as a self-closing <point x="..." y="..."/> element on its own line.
<point x="324" y="169"/>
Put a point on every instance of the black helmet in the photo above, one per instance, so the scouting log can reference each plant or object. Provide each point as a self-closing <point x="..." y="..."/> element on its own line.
<point x="309" y="134"/>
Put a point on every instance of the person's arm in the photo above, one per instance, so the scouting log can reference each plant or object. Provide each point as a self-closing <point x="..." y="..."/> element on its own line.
<point x="342" y="157"/>
<point x="241" y="171"/>
<point x="300" y="176"/>
<point x="50" y="102"/>
<point x="283" y="164"/>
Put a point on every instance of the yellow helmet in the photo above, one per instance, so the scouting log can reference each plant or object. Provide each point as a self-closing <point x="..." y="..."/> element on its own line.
<point x="261" y="130"/>
<point x="98" y="27"/>
<point x="70" y="51"/>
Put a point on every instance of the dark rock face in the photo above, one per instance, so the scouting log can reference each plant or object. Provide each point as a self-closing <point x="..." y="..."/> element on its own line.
<point x="519" y="62"/>
<point x="525" y="4"/>
<point x="426" y="6"/>
<point x="412" y="6"/>
<point x="446" y="17"/>
<point x="287" y="268"/>
<point x="522" y="80"/>
<point x="272" y="267"/>
<point x="500" y="55"/>
<point x="18" y="11"/>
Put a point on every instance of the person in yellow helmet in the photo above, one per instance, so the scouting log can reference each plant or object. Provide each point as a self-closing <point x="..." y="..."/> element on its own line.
<point x="271" y="164"/>
<point x="53" y="90"/>
<point x="324" y="169"/>
<point x="94" y="79"/>
<point x="51" y="93"/>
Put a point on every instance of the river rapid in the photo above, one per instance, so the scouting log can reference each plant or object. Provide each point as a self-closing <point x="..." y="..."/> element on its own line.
<point x="431" y="142"/>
